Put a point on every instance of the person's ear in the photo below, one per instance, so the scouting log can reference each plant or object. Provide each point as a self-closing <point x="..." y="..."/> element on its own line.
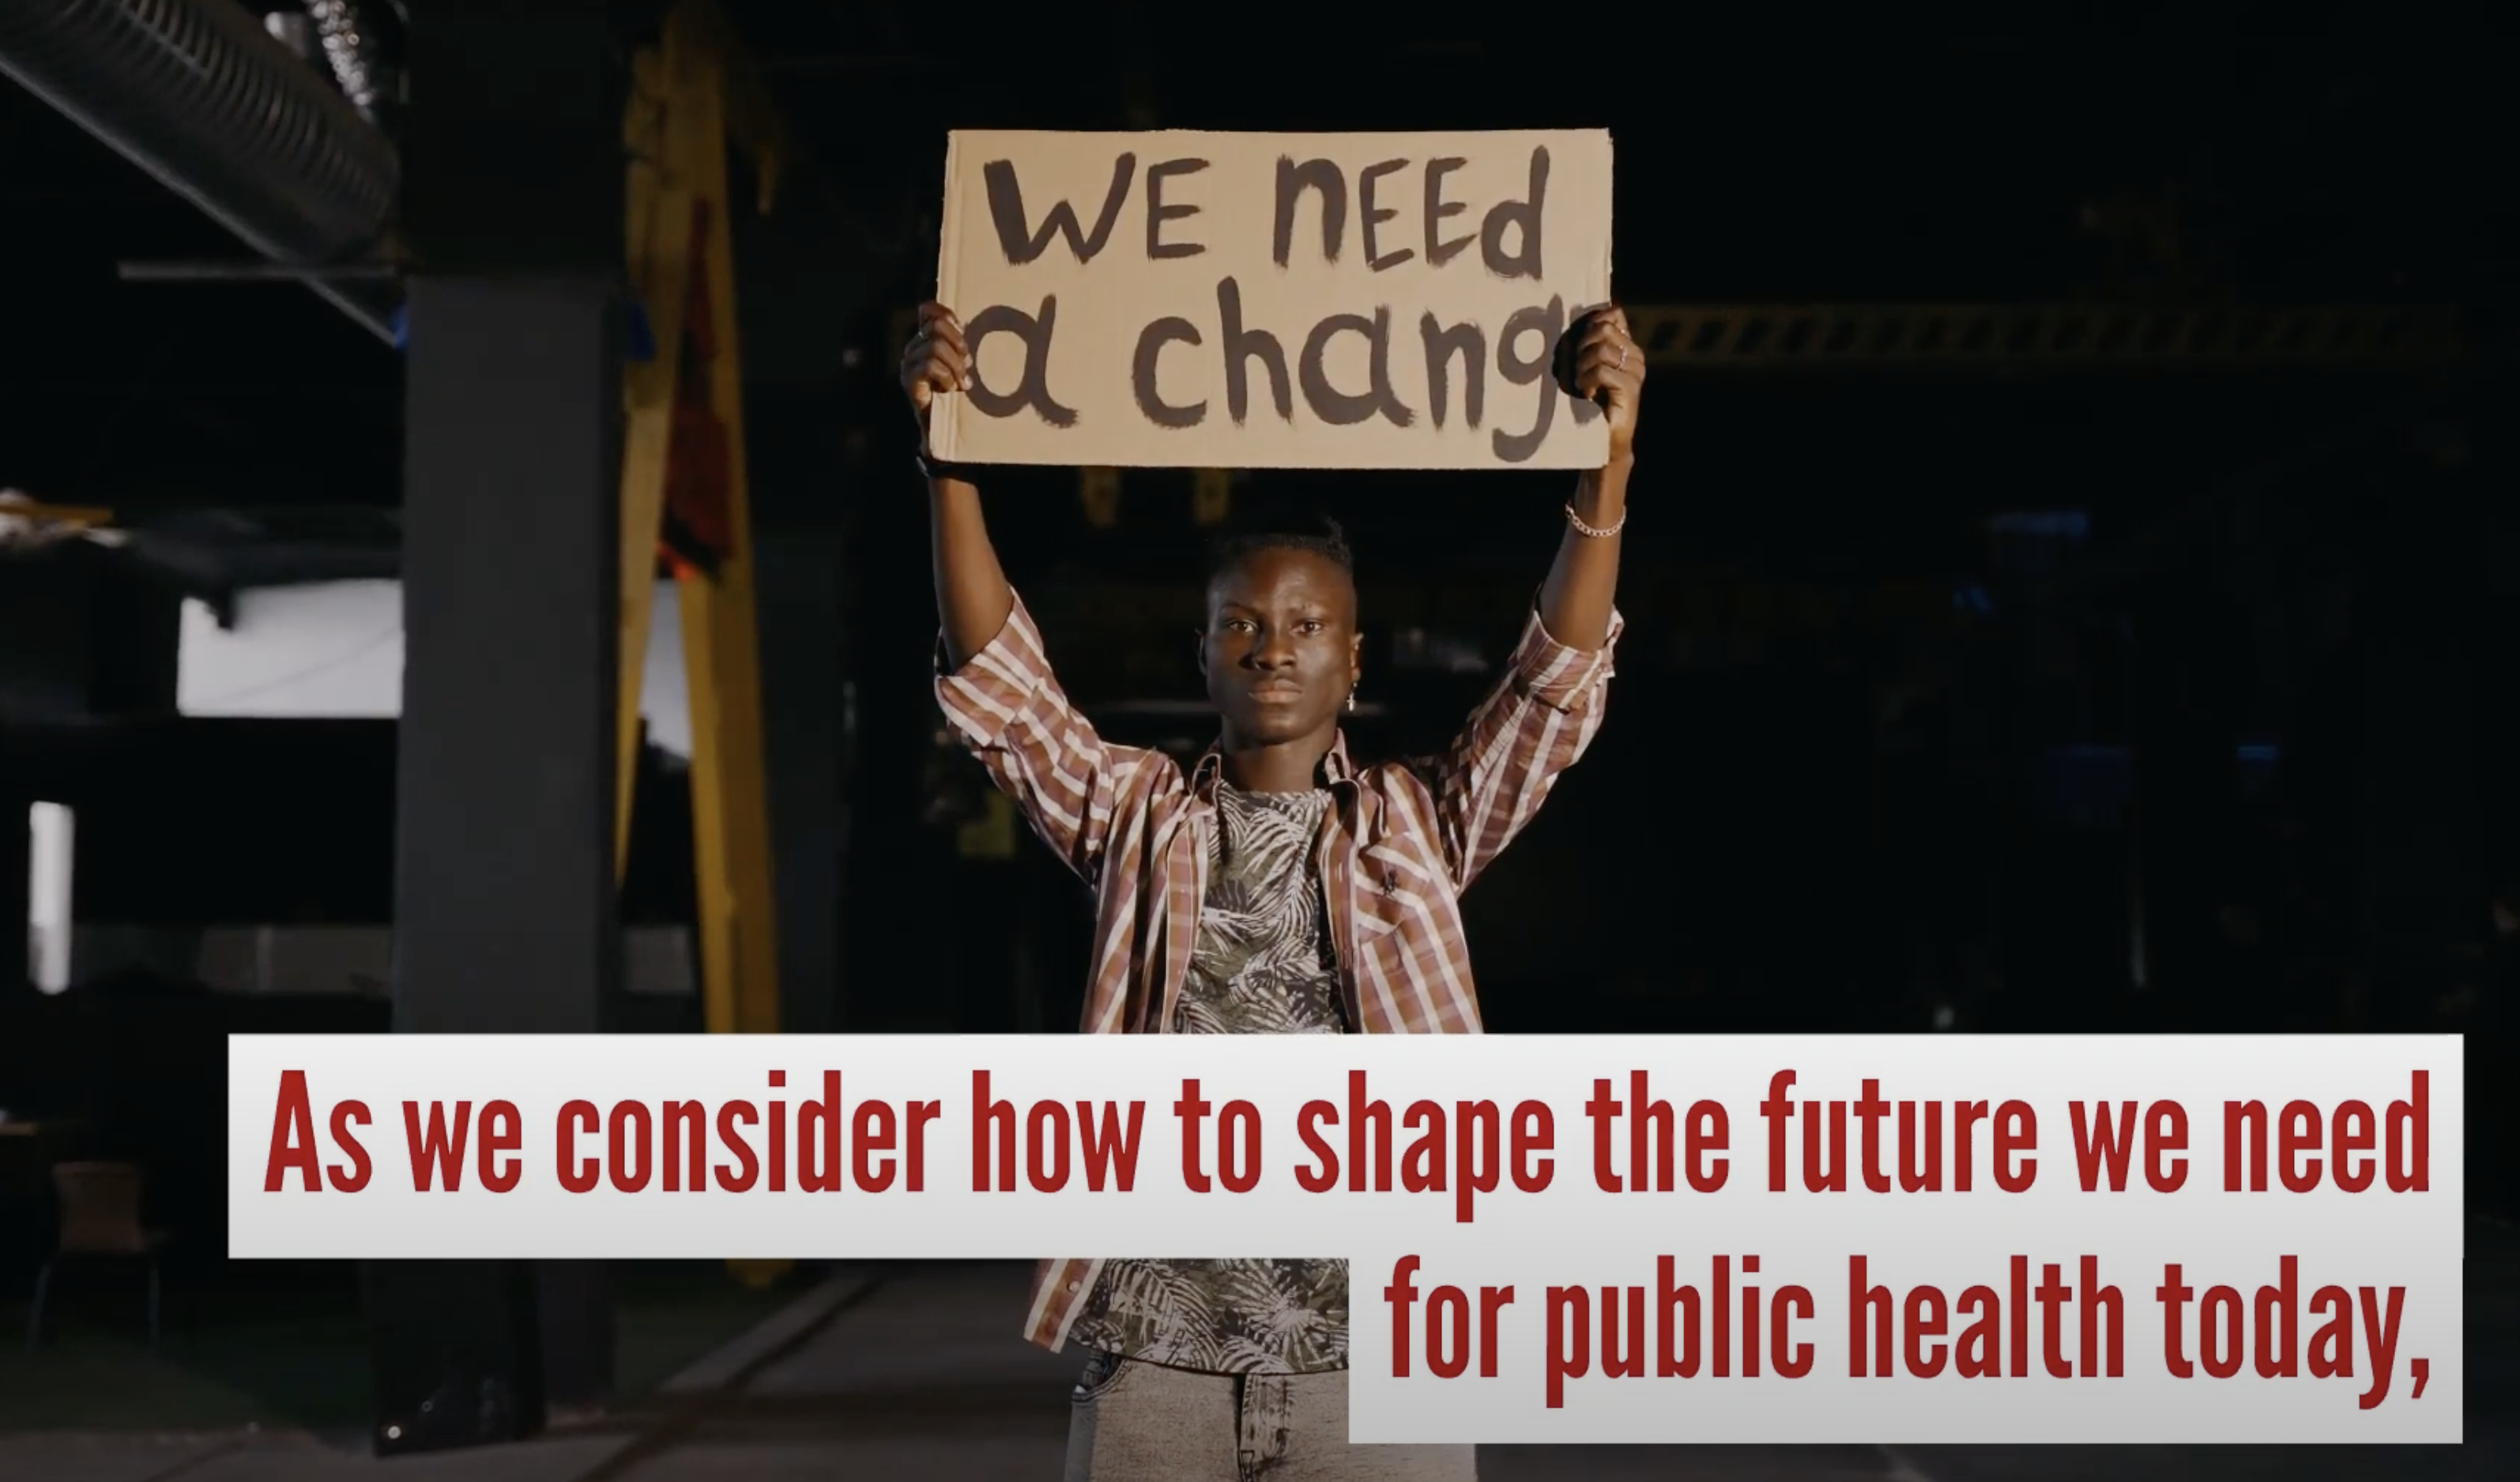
<point x="1198" y="641"/>
<point x="1355" y="660"/>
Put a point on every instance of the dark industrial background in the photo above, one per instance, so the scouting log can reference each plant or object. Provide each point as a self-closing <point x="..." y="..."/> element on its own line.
<point x="1961" y="691"/>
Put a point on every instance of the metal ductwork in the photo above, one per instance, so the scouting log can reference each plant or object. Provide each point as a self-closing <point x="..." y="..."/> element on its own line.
<point x="196" y="93"/>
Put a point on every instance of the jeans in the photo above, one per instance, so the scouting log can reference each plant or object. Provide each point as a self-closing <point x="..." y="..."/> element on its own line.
<point x="1134" y="1421"/>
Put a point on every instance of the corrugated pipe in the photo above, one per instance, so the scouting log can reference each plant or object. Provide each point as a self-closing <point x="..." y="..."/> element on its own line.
<point x="197" y="94"/>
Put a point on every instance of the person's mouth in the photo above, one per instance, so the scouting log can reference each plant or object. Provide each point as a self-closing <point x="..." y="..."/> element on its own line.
<point x="1276" y="694"/>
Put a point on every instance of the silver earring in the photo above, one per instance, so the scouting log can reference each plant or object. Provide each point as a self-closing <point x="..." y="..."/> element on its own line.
<point x="1351" y="699"/>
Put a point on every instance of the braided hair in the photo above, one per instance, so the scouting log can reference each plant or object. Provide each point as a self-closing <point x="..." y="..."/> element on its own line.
<point x="1326" y="540"/>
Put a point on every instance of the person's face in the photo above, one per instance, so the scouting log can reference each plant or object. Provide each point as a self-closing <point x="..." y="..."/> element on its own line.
<point x="1281" y="647"/>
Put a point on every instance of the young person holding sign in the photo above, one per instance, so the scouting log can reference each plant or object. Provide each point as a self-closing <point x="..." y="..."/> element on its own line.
<point x="1277" y="886"/>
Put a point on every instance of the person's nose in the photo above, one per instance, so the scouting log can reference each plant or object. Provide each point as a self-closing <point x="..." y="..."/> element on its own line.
<point x="1270" y="649"/>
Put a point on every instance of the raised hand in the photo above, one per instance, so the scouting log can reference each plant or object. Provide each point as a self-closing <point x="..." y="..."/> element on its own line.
<point x="1609" y="371"/>
<point x="936" y="361"/>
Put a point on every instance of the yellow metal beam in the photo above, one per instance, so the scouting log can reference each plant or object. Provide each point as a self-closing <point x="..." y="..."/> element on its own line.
<point x="660" y="239"/>
<point x="683" y="258"/>
<point x="677" y="134"/>
<point x="721" y="648"/>
<point x="690" y="94"/>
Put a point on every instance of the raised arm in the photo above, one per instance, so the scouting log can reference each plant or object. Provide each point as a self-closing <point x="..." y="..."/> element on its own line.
<point x="993" y="679"/>
<point x="1609" y="370"/>
<point x="1539" y="720"/>
<point x="972" y="597"/>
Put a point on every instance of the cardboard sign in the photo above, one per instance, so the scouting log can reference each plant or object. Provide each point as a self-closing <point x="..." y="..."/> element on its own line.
<point x="1190" y="300"/>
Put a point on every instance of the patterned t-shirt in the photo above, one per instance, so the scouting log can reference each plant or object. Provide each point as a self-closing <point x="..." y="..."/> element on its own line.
<point x="1261" y="966"/>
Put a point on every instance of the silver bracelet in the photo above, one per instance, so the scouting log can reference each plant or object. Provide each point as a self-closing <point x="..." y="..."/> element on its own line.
<point x="1581" y="528"/>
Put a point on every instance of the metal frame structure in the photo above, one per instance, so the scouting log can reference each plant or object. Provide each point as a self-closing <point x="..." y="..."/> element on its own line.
<point x="684" y="459"/>
<point x="2042" y="336"/>
<point x="685" y="453"/>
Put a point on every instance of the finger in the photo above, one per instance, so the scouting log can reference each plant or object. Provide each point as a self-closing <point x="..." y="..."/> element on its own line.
<point x="947" y="364"/>
<point x="1616" y="341"/>
<point x="1608" y="388"/>
<point x="1607" y="393"/>
<point x="1606" y="318"/>
<point x="925" y="348"/>
<point x="954" y="356"/>
<point x="944" y="372"/>
<point x="1619" y="360"/>
<point x="943" y="326"/>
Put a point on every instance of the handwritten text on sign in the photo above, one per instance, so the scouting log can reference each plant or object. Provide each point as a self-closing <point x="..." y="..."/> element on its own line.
<point x="1260" y="301"/>
<point x="1564" y="1239"/>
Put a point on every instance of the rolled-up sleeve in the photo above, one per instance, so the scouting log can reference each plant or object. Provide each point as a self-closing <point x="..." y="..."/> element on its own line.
<point x="1557" y="676"/>
<point x="986" y="695"/>
<point x="1533" y="725"/>
<point x="1008" y="709"/>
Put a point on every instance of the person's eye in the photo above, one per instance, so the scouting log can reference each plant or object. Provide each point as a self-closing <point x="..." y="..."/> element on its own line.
<point x="1310" y="625"/>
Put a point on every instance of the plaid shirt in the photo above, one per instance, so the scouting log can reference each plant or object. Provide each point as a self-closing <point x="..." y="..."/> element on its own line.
<point x="1402" y="842"/>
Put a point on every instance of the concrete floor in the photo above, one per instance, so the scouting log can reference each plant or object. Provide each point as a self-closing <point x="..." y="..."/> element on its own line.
<point x="916" y="1374"/>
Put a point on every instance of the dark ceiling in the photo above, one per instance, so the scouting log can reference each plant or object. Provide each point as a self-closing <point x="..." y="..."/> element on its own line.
<point x="2270" y="153"/>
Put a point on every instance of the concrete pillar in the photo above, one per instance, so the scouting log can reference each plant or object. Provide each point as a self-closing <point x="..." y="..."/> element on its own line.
<point x="506" y="916"/>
